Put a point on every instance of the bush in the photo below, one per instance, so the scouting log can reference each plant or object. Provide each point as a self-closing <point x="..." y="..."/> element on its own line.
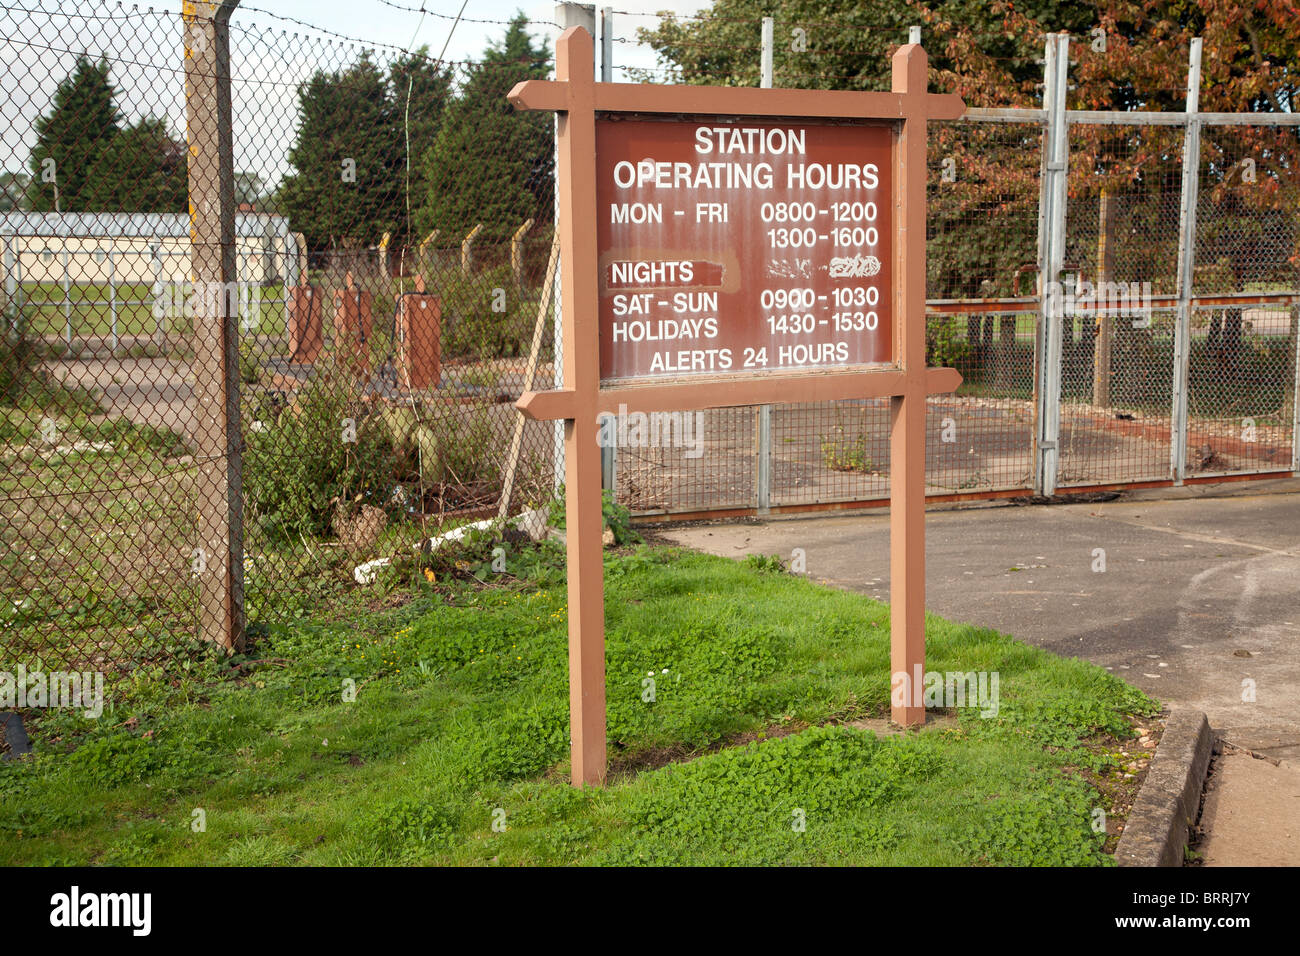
<point x="944" y="344"/>
<point x="457" y="448"/>
<point x="298" y="465"/>
<point x="484" y="315"/>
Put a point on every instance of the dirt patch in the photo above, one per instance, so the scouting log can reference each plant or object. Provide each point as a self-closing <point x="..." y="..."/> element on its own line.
<point x="1120" y="788"/>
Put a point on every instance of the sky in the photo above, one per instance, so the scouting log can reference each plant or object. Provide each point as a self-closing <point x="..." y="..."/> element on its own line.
<point x="40" y="39"/>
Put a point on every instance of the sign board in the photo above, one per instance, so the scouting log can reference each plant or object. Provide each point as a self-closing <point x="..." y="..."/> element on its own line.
<point x="733" y="247"/>
<point x="693" y="280"/>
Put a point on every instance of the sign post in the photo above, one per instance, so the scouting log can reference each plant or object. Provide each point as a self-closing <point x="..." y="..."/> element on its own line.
<point x="729" y="246"/>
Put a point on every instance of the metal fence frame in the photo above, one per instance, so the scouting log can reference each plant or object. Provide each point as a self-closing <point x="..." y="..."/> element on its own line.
<point x="1055" y="121"/>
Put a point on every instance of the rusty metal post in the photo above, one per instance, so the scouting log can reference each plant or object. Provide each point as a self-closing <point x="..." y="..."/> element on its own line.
<point x="218" y="561"/>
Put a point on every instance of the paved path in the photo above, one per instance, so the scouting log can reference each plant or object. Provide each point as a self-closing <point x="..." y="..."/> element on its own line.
<point x="1251" y="814"/>
<point x="146" y="391"/>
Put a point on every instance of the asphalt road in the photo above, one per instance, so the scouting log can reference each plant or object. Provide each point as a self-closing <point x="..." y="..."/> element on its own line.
<point x="1198" y="594"/>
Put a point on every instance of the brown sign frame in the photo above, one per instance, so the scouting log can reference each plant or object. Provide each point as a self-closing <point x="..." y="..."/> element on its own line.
<point x="576" y="98"/>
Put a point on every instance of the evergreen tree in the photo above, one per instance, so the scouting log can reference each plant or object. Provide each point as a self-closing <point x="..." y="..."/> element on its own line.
<point x="141" y="170"/>
<point x="420" y="89"/>
<point x="343" y="185"/>
<point x="81" y="125"/>
<point x="490" y="163"/>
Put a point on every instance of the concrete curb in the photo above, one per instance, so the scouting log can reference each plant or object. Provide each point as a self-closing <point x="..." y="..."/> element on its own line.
<point x="1170" y="798"/>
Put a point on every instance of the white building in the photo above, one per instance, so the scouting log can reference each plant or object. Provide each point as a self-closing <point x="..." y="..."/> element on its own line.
<point x="135" y="248"/>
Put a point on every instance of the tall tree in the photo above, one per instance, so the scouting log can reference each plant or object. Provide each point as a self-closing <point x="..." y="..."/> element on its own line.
<point x="490" y="163"/>
<point x="342" y="186"/>
<point x="82" y="123"/>
<point x="419" y="89"/>
<point x="142" y="169"/>
<point x="1126" y="55"/>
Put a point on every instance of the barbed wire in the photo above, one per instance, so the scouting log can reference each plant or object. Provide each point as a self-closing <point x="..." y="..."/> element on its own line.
<point x="242" y="80"/>
<point x="444" y="16"/>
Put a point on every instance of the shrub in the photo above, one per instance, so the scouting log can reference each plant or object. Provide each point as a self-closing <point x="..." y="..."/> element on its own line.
<point x="457" y="447"/>
<point x="472" y="326"/>
<point x="299" y="465"/>
<point x="945" y="344"/>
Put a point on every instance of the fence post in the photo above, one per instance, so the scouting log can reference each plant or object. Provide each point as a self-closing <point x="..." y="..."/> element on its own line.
<point x="422" y="254"/>
<point x="112" y="297"/>
<point x="608" y="452"/>
<point x="517" y="254"/>
<point x="7" y="296"/>
<point x="1102" y="333"/>
<point x="1186" y="268"/>
<point x="6" y="293"/>
<point x="467" y="250"/>
<point x="1295" y="389"/>
<point x="1051" y="259"/>
<point x="607" y="44"/>
<point x="13" y="301"/>
<point x="218" y="561"/>
<point x="67" y="297"/>
<point x="155" y="259"/>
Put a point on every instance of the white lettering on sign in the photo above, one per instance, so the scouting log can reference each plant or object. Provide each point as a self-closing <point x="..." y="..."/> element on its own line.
<point x="749" y="139"/>
<point x="651" y="273"/>
<point x="636" y="212"/>
<point x="636" y="330"/>
<point x="778" y="238"/>
<point x="833" y="176"/>
<point x="665" y="175"/>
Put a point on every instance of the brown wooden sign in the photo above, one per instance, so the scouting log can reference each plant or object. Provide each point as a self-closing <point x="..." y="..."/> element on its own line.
<point x="621" y="235"/>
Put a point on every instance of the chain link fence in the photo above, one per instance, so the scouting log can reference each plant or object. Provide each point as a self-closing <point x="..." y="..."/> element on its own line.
<point x="386" y="293"/>
<point x="1125" y="228"/>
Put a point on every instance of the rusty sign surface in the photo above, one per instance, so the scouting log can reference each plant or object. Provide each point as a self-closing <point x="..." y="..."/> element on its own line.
<point x="742" y="246"/>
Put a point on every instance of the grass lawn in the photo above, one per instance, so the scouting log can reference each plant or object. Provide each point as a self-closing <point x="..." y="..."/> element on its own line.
<point x="90" y="310"/>
<point x="455" y="748"/>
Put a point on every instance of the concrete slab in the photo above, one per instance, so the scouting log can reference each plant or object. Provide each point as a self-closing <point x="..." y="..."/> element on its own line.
<point x="1251" y="815"/>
